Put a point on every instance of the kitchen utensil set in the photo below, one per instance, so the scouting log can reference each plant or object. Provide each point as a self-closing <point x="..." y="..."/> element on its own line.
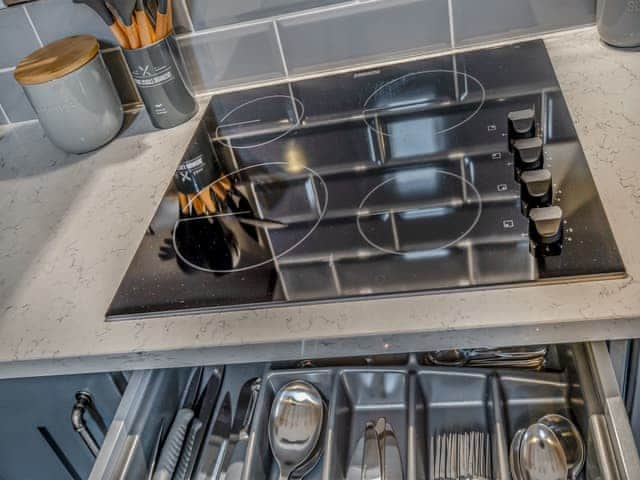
<point x="132" y="21"/>
<point x="101" y="9"/>
<point x="510" y="357"/>
<point x="550" y="449"/>
<point x="197" y="447"/>
<point x="461" y="456"/>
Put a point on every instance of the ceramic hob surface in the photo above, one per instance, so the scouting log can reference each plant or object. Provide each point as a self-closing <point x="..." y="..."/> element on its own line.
<point x="454" y="172"/>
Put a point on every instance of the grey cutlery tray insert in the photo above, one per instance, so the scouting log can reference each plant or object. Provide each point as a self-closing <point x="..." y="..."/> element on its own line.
<point x="419" y="400"/>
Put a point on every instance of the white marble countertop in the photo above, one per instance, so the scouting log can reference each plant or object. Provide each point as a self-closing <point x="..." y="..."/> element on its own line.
<point x="70" y="225"/>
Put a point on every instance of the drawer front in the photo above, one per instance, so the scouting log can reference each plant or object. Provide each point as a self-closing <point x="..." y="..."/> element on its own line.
<point x="151" y="398"/>
<point x="420" y="401"/>
<point x="615" y="413"/>
<point x="37" y="438"/>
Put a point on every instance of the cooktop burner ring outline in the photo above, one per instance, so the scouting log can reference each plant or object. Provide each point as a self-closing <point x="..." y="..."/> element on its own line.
<point x="223" y="140"/>
<point x="273" y="258"/>
<point x="413" y="74"/>
<point x="441" y="247"/>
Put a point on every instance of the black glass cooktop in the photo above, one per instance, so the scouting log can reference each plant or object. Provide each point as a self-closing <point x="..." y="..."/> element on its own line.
<point x="454" y="172"/>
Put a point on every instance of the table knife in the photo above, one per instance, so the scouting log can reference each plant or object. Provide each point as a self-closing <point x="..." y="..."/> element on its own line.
<point x="371" y="459"/>
<point x="245" y="406"/>
<point x="392" y="461"/>
<point x="209" y="461"/>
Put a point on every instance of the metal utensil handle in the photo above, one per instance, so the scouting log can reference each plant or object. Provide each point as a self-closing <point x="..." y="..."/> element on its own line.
<point x="170" y="453"/>
<point x="182" y="472"/>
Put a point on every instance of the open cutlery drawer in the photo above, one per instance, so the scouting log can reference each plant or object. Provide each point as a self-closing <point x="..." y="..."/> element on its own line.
<point x="418" y="402"/>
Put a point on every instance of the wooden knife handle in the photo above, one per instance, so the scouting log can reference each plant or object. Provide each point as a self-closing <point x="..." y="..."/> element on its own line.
<point x="119" y="35"/>
<point x="145" y="29"/>
<point x="131" y="32"/>
<point x="162" y="25"/>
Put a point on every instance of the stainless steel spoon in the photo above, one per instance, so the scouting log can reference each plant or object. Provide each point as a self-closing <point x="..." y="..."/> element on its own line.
<point x="295" y="425"/>
<point x="310" y="463"/>
<point x="514" y="455"/>
<point x="541" y="456"/>
<point x="570" y="440"/>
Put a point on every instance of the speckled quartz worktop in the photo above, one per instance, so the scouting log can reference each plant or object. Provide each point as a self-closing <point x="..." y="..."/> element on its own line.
<point x="70" y="225"/>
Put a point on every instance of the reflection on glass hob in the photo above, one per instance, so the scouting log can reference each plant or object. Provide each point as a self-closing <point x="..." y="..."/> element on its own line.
<point x="453" y="172"/>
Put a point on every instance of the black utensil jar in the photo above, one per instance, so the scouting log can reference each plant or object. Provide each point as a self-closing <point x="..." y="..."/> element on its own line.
<point x="619" y="22"/>
<point x="159" y="74"/>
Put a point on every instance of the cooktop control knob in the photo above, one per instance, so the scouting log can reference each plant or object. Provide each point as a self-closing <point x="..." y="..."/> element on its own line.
<point x="527" y="154"/>
<point x="522" y="124"/>
<point x="536" y="189"/>
<point x="545" y="230"/>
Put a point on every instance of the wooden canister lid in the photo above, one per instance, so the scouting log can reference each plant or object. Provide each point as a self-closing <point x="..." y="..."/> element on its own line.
<point x="56" y="59"/>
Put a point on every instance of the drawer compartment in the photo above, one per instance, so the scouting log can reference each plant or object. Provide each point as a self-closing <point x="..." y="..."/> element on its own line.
<point x="423" y="404"/>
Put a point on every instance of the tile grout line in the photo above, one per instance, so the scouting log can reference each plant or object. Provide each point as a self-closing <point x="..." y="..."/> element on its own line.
<point x="26" y="12"/>
<point x="4" y="114"/>
<point x="280" y="49"/>
<point x="407" y="59"/>
<point x="188" y="13"/>
<point x="224" y="28"/>
<point x="452" y="33"/>
<point x="266" y="20"/>
<point x="327" y="8"/>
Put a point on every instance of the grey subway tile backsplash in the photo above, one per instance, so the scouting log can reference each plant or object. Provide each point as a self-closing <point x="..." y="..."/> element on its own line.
<point x="13" y="100"/>
<point x="487" y="20"/>
<point x="207" y="14"/>
<point x="17" y="37"/>
<point x="182" y="22"/>
<point x="233" y="56"/>
<point x="228" y="43"/>
<point x="56" y="19"/>
<point x="364" y="32"/>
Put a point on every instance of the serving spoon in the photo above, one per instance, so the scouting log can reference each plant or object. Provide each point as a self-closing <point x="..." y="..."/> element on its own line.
<point x="295" y="425"/>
